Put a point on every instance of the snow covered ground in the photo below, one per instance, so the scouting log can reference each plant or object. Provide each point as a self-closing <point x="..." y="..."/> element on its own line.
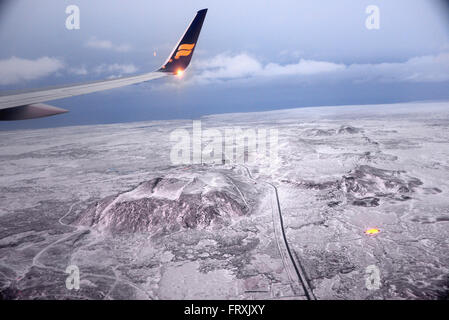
<point x="109" y="200"/>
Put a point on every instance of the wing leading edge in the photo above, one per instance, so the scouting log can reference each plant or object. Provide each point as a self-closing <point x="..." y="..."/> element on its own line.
<point x="29" y="105"/>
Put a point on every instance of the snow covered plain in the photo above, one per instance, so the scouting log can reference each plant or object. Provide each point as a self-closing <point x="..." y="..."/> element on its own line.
<point x="107" y="199"/>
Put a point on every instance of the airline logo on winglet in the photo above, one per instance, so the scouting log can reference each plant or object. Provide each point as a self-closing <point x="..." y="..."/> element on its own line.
<point x="184" y="50"/>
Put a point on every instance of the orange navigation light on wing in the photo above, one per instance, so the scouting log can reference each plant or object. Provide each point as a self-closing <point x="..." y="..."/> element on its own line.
<point x="372" y="231"/>
<point x="179" y="72"/>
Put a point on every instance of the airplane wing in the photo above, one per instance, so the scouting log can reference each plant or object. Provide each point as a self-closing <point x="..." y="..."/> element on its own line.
<point x="28" y="105"/>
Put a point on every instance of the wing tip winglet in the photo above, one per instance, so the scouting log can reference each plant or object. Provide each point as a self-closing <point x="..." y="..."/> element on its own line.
<point x="182" y="54"/>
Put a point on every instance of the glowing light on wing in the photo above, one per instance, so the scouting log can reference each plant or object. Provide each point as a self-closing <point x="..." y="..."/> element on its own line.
<point x="372" y="231"/>
<point x="179" y="73"/>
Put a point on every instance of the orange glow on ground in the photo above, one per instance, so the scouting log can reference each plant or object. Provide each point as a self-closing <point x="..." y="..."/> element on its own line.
<point x="180" y="72"/>
<point x="372" y="231"/>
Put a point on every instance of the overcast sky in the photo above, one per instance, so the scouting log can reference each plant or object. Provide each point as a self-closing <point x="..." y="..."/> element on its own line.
<point x="251" y="56"/>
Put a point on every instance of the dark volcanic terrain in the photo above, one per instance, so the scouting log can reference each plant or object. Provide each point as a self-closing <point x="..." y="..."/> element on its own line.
<point x="166" y="205"/>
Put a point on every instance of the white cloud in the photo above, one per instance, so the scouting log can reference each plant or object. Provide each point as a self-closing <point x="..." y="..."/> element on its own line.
<point x="106" y="44"/>
<point x="116" y="68"/>
<point x="245" y="66"/>
<point x="225" y="67"/>
<point x="303" y="67"/>
<point x="81" y="71"/>
<point x="14" y="70"/>
<point x="229" y="67"/>
<point x="432" y="68"/>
